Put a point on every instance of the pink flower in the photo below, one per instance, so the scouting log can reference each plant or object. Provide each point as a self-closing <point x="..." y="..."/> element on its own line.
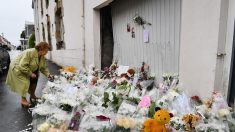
<point x="145" y="101"/>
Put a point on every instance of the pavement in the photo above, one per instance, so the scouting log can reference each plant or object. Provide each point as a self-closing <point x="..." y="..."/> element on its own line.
<point x="14" y="118"/>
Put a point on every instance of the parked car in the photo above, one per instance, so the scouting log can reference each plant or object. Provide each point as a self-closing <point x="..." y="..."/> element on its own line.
<point x="4" y="59"/>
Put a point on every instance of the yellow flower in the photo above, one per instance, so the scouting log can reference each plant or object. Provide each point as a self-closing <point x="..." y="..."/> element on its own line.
<point x="44" y="127"/>
<point x="223" y="112"/>
<point x="69" y="69"/>
<point x="119" y="122"/>
<point x="125" y="122"/>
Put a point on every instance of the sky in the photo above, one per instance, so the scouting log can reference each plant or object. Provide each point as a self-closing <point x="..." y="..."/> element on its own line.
<point x="13" y="15"/>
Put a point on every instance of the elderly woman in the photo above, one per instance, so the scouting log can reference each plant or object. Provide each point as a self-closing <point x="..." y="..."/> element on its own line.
<point x="23" y="73"/>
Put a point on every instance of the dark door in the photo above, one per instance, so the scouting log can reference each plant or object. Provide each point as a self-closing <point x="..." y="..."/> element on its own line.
<point x="231" y="91"/>
<point x="107" y="43"/>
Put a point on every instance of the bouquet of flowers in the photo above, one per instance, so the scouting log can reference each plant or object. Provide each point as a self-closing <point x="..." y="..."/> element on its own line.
<point x="123" y="86"/>
<point x="124" y="124"/>
<point x="190" y="121"/>
<point x="145" y="81"/>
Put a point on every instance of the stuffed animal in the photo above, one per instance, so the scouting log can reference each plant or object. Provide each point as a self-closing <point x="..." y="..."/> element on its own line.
<point x="189" y="121"/>
<point x="161" y="117"/>
<point x="130" y="73"/>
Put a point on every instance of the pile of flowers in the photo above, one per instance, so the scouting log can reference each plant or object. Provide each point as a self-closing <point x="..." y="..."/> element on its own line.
<point x="94" y="100"/>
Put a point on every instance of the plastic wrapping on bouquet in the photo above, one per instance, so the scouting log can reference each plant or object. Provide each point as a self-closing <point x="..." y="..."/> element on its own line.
<point x="76" y="119"/>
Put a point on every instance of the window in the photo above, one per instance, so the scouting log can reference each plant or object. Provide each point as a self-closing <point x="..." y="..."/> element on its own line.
<point x="47" y="3"/>
<point x="43" y="33"/>
<point x="41" y="7"/>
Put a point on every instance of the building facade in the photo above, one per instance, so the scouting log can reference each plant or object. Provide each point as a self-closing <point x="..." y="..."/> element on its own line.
<point x="192" y="38"/>
<point x="29" y="29"/>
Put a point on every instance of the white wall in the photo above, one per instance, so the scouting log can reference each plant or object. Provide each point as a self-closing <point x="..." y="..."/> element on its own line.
<point x="73" y="24"/>
<point x="73" y="52"/>
<point x="199" y="41"/>
<point x="89" y="32"/>
<point x="72" y="18"/>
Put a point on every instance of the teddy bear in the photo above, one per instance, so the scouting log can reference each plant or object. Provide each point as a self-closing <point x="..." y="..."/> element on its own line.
<point x="157" y="124"/>
<point x="129" y="74"/>
<point x="190" y="120"/>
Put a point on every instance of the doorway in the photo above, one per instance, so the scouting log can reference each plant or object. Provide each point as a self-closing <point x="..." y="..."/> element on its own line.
<point x="106" y="33"/>
<point x="231" y="91"/>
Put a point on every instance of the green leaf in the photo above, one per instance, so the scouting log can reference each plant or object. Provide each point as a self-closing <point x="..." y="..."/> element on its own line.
<point x="117" y="101"/>
<point x="106" y="99"/>
<point x="134" y="100"/>
<point x="151" y="110"/>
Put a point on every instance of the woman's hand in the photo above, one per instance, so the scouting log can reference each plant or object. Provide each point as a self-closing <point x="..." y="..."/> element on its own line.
<point x="33" y="75"/>
<point x="51" y="77"/>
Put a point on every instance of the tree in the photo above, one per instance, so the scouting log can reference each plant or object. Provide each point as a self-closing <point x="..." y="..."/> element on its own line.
<point x="32" y="40"/>
<point x="22" y="35"/>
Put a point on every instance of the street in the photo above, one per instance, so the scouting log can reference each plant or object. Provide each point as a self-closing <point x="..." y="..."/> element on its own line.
<point x="14" y="118"/>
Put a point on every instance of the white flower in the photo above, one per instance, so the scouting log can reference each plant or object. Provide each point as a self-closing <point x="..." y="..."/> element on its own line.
<point x="44" y="127"/>
<point x="125" y="122"/>
<point x="100" y="81"/>
<point x="223" y="112"/>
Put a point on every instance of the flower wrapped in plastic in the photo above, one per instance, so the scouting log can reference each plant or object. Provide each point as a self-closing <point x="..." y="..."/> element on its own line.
<point x="44" y="127"/>
<point x="50" y="98"/>
<point x="177" y="123"/>
<point x="92" y="121"/>
<point x="45" y="109"/>
<point x="196" y="101"/>
<point x="145" y="101"/>
<point x="124" y="124"/>
<point x="67" y="77"/>
<point x="142" y="108"/>
<point x="71" y="69"/>
<point x="41" y="113"/>
<point x="213" y="126"/>
<point x="123" y="86"/>
<point x="112" y="100"/>
<point x="166" y="99"/>
<point x="145" y="80"/>
<point x="169" y="81"/>
<point x="47" y="127"/>
<point x="127" y="108"/>
<point x="190" y="121"/>
<point x="180" y="105"/>
<point x="76" y="119"/>
<point x="52" y="88"/>
<point x="220" y="106"/>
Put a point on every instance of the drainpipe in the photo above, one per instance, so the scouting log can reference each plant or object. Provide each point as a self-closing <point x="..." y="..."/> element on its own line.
<point x="83" y="34"/>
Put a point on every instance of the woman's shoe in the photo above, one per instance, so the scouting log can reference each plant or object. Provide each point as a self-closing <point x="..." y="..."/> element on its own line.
<point x="34" y="99"/>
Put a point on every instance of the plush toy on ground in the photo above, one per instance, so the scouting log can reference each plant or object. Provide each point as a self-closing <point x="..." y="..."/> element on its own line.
<point x="161" y="117"/>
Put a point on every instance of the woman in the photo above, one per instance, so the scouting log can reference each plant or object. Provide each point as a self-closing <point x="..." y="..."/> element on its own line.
<point x="23" y="73"/>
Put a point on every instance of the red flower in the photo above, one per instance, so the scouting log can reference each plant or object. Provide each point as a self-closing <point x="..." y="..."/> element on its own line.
<point x="195" y="97"/>
<point x="102" y="118"/>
